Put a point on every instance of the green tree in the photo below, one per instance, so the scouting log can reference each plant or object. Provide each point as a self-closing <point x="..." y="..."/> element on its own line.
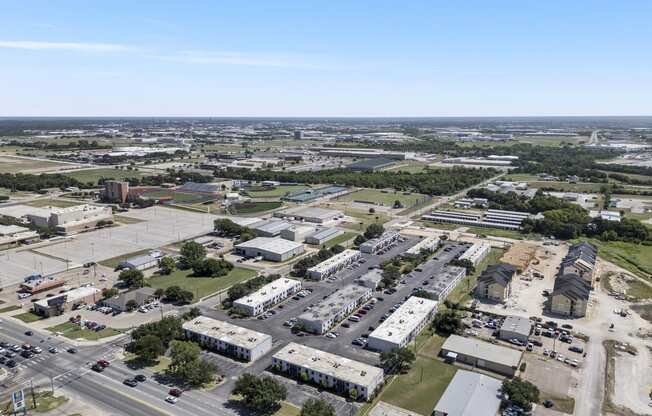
<point x="148" y="348"/>
<point x="521" y="392"/>
<point x="192" y="253"/>
<point x="422" y="294"/>
<point x="466" y="263"/>
<point x="167" y="265"/>
<point x="226" y="227"/>
<point x="317" y="407"/>
<point x="132" y="278"/>
<point x="359" y="239"/>
<point x="167" y="329"/>
<point x="398" y="204"/>
<point x="263" y="394"/>
<point x="131" y="305"/>
<point x="397" y="360"/>
<point x="110" y="292"/>
<point x="447" y="322"/>
<point x="212" y="268"/>
<point x="374" y="231"/>
<point x="182" y="355"/>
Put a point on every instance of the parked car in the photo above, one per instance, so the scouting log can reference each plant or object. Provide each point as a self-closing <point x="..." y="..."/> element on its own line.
<point x="576" y="348"/>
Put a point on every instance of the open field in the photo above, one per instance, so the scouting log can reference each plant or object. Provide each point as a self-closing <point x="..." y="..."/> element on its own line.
<point x="52" y="202"/>
<point x="275" y="192"/>
<point x="94" y="175"/>
<point x="636" y="258"/>
<point x="340" y="239"/>
<point x="255" y="207"/>
<point x="10" y="164"/>
<point x="385" y="198"/>
<point x="365" y="218"/>
<point x="201" y="286"/>
<point x="409" y="166"/>
<point x="73" y="331"/>
<point x="424" y="384"/>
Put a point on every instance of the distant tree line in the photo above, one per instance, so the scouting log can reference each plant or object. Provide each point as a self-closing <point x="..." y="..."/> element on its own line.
<point x="43" y="145"/>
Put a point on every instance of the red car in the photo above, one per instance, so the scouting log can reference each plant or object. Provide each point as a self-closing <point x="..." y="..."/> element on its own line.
<point x="103" y="363"/>
<point x="175" y="392"/>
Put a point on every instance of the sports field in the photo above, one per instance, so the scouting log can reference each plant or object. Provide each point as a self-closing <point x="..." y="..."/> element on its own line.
<point x="275" y="192"/>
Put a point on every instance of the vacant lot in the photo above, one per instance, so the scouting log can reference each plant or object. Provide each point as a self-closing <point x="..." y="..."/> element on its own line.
<point x="10" y="164"/>
<point x="274" y="192"/>
<point x="74" y="331"/>
<point x="365" y="218"/>
<point x="201" y="286"/>
<point x="385" y="198"/>
<point x="636" y="258"/>
<point x="94" y="175"/>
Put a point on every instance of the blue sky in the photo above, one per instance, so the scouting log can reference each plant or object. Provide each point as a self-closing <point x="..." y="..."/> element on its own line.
<point x="325" y="58"/>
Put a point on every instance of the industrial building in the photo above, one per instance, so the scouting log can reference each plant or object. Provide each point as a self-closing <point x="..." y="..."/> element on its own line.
<point x="139" y="297"/>
<point x="272" y="249"/>
<point x="570" y="296"/>
<point x="581" y="261"/>
<point x="57" y="305"/>
<point x="308" y="195"/>
<point x="297" y="233"/>
<point x="146" y="261"/>
<point x="492" y="218"/>
<point x="375" y="244"/>
<point x="370" y="165"/>
<point x="267" y="296"/>
<point x="442" y="284"/>
<point x="334" y="308"/>
<point x="403" y="325"/>
<point x="310" y="214"/>
<point x="428" y="245"/>
<point x="334" y="264"/>
<point x="13" y="234"/>
<point x="371" y="279"/>
<point x="476" y="253"/>
<point x="364" y="153"/>
<point x="325" y="369"/>
<point x="116" y="191"/>
<point x="269" y="228"/>
<point x="470" y="394"/>
<point x="495" y="282"/>
<point x="323" y="235"/>
<point x="482" y="354"/>
<point x="228" y="339"/>
<point x="64" y="221"/>
<point x="515" y="327"/>
<point x="466" y="203"/>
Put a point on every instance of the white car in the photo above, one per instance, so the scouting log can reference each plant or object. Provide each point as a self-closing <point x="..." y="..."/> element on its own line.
<point x="171" y="399"/>
<point x="331" y="335"/>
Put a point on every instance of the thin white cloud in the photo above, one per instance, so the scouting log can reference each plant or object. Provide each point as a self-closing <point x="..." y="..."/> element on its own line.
<point x="242" y="59"/>
<point x="64" y="46"/>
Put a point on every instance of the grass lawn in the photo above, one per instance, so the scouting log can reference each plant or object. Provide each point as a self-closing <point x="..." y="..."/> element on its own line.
<point x="411" y="167"/>
<point x="16" y="165"/>
<point x="158" y="367"/>
<point x="639" y="290"/>
<point x="274" y="192"/>
<point x="287" y="409"/>
<point x="340" y="239"/>
<point x="52" y="202"/>
<point x="45" y="402"/>
<point x="9" y="308"/>
<point x="94" y="175"/>
<point x="73" y="331"/>
<point x="255" y="207"/>
<point x="114" y="261"/>
<point x="201" y="286"/>
<point x="462" y="293"/>
<point x="28" y="317"/>
<point x="365" y="218"/>
<point x="381" y="197"/>
<point x="636" y="258"/>
<point x="422" y="387"/>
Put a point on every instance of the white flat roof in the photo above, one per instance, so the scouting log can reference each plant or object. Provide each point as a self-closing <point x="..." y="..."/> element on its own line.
<point x="226" y="332"/>
<point x="269" y="291"/>
<point x="333" y="365"/>
<point x="12" y="229"/>
<point x="470" y="394"/>
<point x="483" y="350"/>
<point x="273" y="245"/>
<point x="17" y="211"/>
<point x="403" y="321"/>
<point x="334" y="303"/>
<point x="423" y="244"/>
<point x="71" y="295"/>
<point x="336" y="259"/>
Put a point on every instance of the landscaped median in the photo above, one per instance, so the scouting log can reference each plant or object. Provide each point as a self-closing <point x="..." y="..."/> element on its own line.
<point x="74" y="331"/>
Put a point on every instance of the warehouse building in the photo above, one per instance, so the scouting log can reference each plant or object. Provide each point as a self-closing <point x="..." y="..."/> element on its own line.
<point x="476" y="253"/>
<point x="489" y="219"/>
<point x="64" y="221"/>
<point x="325" y="369"/>
<point x="515" y="327"/>
<point x="297" y="233"/>
<point x="481" y="354"/>
<point x="371" y="279"/>
<point x="312" y="194"/>
<point x="272" y="249"/>
<point x="403" y="325"/>
<point x="470" y="394"/>
<point x="57" y="305"/>
<point x="228" y="339"/>
<point x="269" y="228"/>
<point x="334" y="308"/>
<point x="146" y="261"/>
<point x="13" y="234"/>
<point x="495" y="282"/>
<point x="428" y="245"/>
<point x="324" y="235"/>
<point x="267" y="296"/>
<point x="370" y="165"/>
<point x="442" y="284"/>
<point x="334" y="264"/>
<point x="375" y="244"/>
<point x="570" y="296"/>
<point x="310" y="214"/>
<point x="140" y="297"/>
